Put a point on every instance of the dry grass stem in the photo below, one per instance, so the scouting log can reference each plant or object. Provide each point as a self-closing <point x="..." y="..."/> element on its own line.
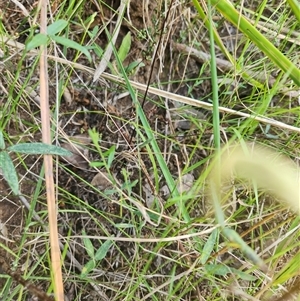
<point x="48" y="163"/>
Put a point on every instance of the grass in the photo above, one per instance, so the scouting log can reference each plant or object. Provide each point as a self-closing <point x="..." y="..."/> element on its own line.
<point x="153" y="210"/>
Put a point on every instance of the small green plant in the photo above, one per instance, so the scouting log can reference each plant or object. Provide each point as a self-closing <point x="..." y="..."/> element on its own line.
<point x="95" y="257"/>
<point x="122" y="54"/>
<point x="37" y="148"/>
<point x="107" y="157"/>
<point x="52" y="31"/>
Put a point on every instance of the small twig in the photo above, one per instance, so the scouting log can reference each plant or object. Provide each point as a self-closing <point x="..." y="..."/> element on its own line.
<point x="37" y="292"/>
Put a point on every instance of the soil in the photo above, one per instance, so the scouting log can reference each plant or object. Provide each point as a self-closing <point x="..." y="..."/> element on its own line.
<point x="11" y="216"/>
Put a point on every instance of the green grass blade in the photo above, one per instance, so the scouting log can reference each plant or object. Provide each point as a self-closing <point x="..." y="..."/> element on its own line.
<point x="214" y="82"/>
<point x="294" y="5"/>
<point x="234" y="237"/>
<point x="219" y="42"/>
<point x="156" y="150"/>
<point x="231" y="14"/>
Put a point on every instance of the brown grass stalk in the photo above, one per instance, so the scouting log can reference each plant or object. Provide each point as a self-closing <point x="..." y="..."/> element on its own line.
<point x="48" y="163"/>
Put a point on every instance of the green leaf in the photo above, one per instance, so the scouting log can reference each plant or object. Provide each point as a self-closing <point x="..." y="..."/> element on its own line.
<point x="129" y="185"/>
<point x="134" y="65"/>
<point x="124" y="226"/>
<point x="89" y="21"/>
<point x="2" y="143"/>
<point x="9" y="172"/>
<point x="36" y="41"/>
<point x="243" y="275"/>
<point x="209" y="246"/>
<point x="111" y="155"/>
<point x="97" y="164"/>
<point x="94" y="136"/>
<point x="222" y="270"/>
<point x="102" y="251"/>
<point x="88" y="245"/>
<point x="89" y="266"/>
<point x="98" y="50"/>
<point x="234" y="237"/>
<point x="294" y="5"/>
<point x="94" y="31"/>
<point x="71" y="44"/>
<point x="38" y="148"/>
<point x="125" y="47"/>
<point x="56" y="27"/>
<point x="217" y="269"/>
